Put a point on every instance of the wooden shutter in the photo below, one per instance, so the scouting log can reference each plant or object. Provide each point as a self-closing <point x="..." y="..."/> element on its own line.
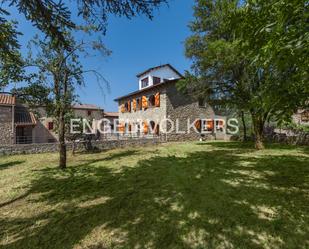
<point x="121" y="127"/>
<point x="197" y="125"/>
<point x="134" y="105"/>
<point x="122" y="108"/>
<point x="157" y="100"/>
<point x="145" y="128"/>
<point x="129" y="105"/>
<point x="210" y="125"/>
<point x="144" y="102"/>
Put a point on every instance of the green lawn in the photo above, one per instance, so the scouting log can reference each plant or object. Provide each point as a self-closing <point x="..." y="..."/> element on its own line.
<point x="185" y="195"/>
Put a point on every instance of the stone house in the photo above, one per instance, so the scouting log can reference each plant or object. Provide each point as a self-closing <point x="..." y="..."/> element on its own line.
<point x="112" y="117"/>
<point x="18" y="125"/>
<point x="146" y="110"/>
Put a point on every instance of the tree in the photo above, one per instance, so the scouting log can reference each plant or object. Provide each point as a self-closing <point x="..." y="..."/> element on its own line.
<point x="53" y="17"/>
<point x="229" y="68"/>
<point x="10" y="58"/>
<point x="58" y="58"/>
<point x="60" y="71"/>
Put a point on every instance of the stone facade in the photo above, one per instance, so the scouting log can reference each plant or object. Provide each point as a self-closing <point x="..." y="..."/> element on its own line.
<point x="6" y="126"/>
<point x="155" y="114"/>
<point x="180" y="109"/>
<point x="43" y="134"/>
<point x="185" y="111"/>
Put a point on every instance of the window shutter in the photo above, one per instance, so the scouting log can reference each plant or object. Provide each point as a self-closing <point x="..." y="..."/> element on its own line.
<point x="121" y="127"/>
<point x="157" y="100"/>
<point x="197" y="125"/>
<point x="144" y="102"/>
<point x="210" y="125"/>
<point x="134" y="105"/>
<point x="129" y="105"/>
<point x="145" y="128"/>
<point x="122" y="108"/>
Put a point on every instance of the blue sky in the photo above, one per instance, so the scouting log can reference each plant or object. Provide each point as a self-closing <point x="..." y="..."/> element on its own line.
<point x="136" y="45"/>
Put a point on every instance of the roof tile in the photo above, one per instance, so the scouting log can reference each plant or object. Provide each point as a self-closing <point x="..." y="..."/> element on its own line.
<point x="24" y="117"/>
<point x="7" y="99"/>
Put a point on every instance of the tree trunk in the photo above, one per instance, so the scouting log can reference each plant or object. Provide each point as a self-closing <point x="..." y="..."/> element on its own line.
<point x="73" y="147"/>
<point x="62" y="145"/>
<point x="244" y="125"/>
<point x="258" y="126"/>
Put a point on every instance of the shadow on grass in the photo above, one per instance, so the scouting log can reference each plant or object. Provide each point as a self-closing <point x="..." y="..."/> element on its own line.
<point x="205" y="200"/>
<point x="250" y="146"/>
<point x="10" y="164"/>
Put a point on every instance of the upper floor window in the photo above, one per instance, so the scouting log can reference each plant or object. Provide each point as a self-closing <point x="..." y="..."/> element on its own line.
<point x="151" y="101"/>
<point x="145" y="82"/>
<point x="89" y="113"/>
<point x="156" y="80"/>
<point x="50" y="126"/>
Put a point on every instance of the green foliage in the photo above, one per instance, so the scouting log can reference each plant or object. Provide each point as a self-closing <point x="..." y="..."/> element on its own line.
<point x="295" y="127"/>
<point x="10" y="58"/>
<point x="53" y="18"/>
<point x="251" y="56"/>
<point x="34" y="94"/>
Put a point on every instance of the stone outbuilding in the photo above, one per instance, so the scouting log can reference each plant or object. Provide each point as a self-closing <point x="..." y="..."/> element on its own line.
<point x="19" y="125"/>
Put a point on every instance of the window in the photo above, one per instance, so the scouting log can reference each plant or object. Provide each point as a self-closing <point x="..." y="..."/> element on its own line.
<point x="156" y="80"/>
<point x="151" y="101"/>
<point x="305" y="116"/>
<point x="127" y="106"/>
<point x="138" y="104"/>
<point x="89" y="113"/>
<point x="145" y="82"/>
<point x="50" y="125"/>
<point x="208" y="125"/>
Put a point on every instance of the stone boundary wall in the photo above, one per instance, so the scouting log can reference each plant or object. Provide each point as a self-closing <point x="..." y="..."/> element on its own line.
<point x="81" y="146"/>
<point x="301" y="139"/>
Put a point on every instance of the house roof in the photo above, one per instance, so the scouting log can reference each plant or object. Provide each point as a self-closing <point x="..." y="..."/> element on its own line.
<point x="23" y="117"/>
<point x="158" y="67"/>
<point x="146" y="89"/>
<point x="111" y="114"/>
<point x="7" y="99"/>
<point x="86" y="107"/>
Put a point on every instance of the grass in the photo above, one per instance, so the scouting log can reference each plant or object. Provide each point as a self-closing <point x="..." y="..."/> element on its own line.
<point x="183" y="195"/>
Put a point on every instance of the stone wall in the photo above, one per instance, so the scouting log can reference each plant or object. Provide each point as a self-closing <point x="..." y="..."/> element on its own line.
<point x="95" y="146"/>
<point x="6" y="132"/>
<point x="297" y="139"/>
<point x="183" y="108"/>
<point x="155" y="114"/>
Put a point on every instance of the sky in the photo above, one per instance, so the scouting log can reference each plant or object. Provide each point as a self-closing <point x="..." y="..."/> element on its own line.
<point x="136" y="45"/>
